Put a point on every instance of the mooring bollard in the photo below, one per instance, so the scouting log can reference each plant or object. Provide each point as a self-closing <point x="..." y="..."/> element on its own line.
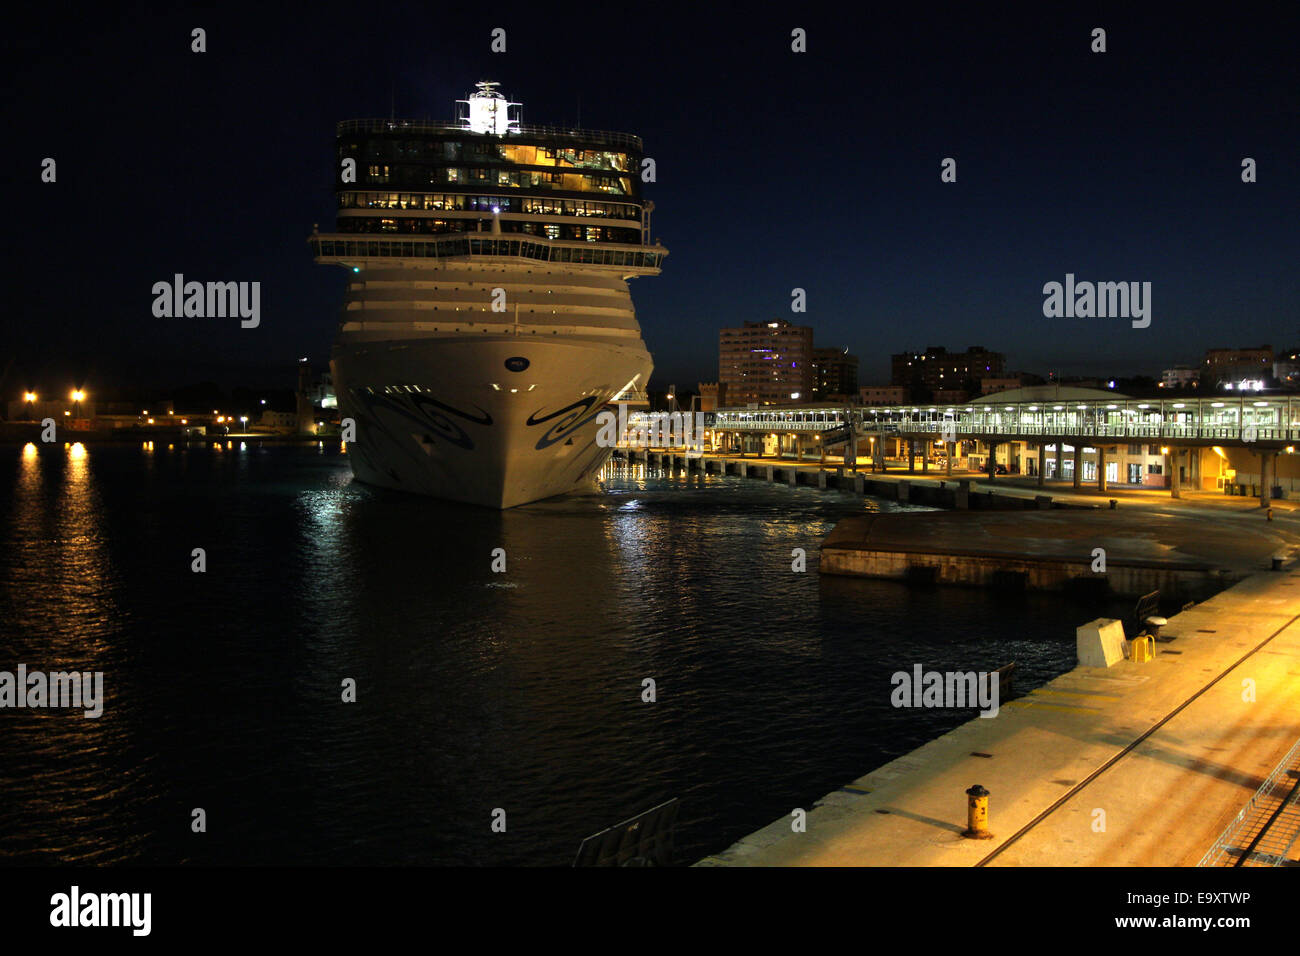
<point x="1113" y="504"/>
<point x="1270" y="514"/>
<point x="977" y="814"/>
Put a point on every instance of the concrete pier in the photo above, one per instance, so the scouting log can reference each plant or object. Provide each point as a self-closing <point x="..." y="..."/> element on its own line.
<point x="1051" y="550"/>
<point x="1137" y="764"/>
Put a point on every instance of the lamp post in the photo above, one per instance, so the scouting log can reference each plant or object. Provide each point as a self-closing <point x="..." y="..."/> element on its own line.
<point x="77" y="396"/>
<point x="31" y="405"/>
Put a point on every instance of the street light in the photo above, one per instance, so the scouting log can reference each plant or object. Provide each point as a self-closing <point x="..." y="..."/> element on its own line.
<point x="77" y="396"/>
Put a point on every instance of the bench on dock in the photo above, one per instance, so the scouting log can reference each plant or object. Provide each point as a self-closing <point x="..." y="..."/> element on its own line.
<point x="1146" y="619"/>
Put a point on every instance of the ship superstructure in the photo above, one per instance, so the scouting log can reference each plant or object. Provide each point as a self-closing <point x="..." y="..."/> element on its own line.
<point x="487" y="319"/>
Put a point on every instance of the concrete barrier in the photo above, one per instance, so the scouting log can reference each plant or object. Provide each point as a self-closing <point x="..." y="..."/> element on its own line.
<point x="1099" y="643"/>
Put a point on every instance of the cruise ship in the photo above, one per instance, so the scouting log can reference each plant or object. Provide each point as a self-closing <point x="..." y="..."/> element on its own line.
<point x="487" y="319"/>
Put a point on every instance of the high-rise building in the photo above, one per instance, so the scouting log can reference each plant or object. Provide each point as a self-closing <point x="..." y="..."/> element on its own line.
<point x="835" y="373"/>
<point x="937" y="368"/>
<point x="768" y="363"/>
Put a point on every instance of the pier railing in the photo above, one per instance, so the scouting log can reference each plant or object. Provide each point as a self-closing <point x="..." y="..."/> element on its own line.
<point x="1267" y="827"/>
<point x="596" y="137"/>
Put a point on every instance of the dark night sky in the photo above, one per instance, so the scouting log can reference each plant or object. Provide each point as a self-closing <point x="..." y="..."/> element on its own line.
<point x="776" y="170"/>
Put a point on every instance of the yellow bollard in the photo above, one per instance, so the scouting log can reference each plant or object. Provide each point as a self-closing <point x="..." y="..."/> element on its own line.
<point x="977" y="814"/>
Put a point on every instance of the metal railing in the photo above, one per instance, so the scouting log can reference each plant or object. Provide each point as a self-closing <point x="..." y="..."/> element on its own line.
<point x="1267" y="827"/>
<point x="591" y="136"/>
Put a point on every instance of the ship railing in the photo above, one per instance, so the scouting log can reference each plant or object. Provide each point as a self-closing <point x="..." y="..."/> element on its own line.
<point x="608" y="137"/>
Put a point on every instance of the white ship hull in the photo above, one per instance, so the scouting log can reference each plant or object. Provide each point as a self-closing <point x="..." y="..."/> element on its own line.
<point x="429" y="421"/>
<point x="473" y="407"/>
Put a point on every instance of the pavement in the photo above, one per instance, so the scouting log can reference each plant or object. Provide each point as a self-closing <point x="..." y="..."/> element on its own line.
<point x="1139" y="764"/>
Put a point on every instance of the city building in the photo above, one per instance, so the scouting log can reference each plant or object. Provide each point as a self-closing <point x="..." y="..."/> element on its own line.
<point x="835" y="373"/>
<point x="882" y="394"/>
<point x="35" y="407"/>
<point x="767" y="363"/>
<point x="991" y="385"/>
<point x="1239" y="368"/>
<point x="1286" y="368"/>
<point x="937" y="368"/>
<point x="713" y="395"/>
<point x="1180" y="376"/>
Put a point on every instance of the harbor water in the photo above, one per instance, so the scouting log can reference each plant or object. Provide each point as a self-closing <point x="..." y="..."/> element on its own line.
<point x="476" y="690"/>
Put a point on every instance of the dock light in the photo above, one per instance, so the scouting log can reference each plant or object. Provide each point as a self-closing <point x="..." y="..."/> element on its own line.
<point x="78" y="395"/>
<point x="151" y="421"/>
<point x="1164" y="450"/>
<point x="30" y="397"/>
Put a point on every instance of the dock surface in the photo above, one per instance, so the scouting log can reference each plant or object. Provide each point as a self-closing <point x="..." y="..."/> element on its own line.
<point x="1139" y="764"/>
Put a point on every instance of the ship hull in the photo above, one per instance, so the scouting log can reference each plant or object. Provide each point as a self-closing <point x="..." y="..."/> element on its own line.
<point x="497" y="420"/>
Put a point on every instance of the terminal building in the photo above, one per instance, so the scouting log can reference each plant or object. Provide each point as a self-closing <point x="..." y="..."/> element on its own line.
<point x="1233" y="446"/>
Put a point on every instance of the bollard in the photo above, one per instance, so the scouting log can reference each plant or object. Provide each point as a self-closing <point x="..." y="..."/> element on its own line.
<point x="1113" y="504"/>
<point x="1270" y="514"/>
<point x="977" y="814"/>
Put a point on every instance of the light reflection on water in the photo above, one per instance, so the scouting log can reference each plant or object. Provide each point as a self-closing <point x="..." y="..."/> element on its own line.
<point x="475" y="690"/>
